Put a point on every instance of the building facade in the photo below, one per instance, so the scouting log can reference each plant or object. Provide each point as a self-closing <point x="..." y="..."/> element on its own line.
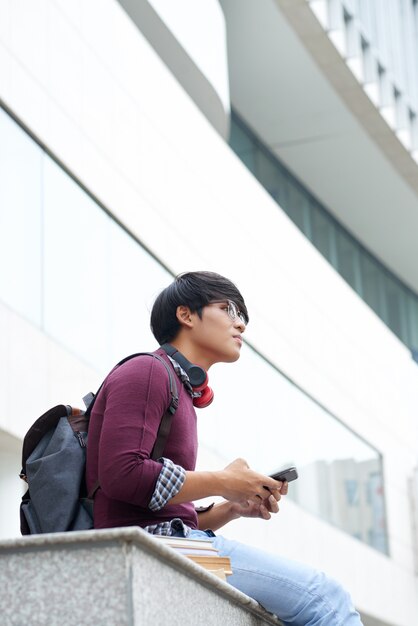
<point x="276" y="143"/>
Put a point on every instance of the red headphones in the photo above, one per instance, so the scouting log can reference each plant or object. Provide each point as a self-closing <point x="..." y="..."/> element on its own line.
<point x="198" y="377"/>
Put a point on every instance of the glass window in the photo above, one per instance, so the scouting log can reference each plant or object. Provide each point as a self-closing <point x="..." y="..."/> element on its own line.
<point x="20" y="220"/>
<point x="76" y="267"/>
<point x="269" y="175"/>
<point x="412" y="316"/>
<point x="352" y="492"/>
<point x="348" y="261"/>
<point x="135" y="279"/>
<point x="279" y="190"/>
<point x="293" y="430"/>
<point x="321" y="233"/>
<point x="372" y="283"/>
<point x="243" y="146"/>
<point x="92" y="289"/>
<point x="377" y="529"/>
<point x="395" y="304"/>
<point x="100" y="284"/>
<point x="249" y="159"/>
<point x="239" y="139"/>
<point x="298" y="207"/>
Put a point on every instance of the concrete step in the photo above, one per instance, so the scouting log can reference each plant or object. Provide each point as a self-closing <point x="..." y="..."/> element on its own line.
<point x="116" y="577"/>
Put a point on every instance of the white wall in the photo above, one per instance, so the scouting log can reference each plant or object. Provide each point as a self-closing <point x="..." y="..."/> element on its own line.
<point x="36" y="374"/>
<point x="190" y="39"/>
<point x="205" y="42"/>
<point x="11" y="487"/>
<point x="108" y="108"/>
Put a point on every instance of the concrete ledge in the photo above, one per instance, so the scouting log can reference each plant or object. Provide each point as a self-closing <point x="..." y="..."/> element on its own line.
<point x="118" y="577"/>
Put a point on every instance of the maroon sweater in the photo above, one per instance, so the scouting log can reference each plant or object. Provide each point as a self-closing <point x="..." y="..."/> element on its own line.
<point x="122" y="432"/>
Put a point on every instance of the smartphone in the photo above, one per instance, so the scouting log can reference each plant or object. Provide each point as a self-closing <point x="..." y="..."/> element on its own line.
<point x="287" y="475"/>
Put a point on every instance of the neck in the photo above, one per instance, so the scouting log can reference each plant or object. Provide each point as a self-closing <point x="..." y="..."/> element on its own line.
<point x="192" y="353"/>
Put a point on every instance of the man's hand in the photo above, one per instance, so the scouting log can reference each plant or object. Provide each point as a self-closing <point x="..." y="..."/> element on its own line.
<point x="244" y="487"/>
<point x="262" y="509"/>
<point x="249" y="509"/>
<point x="237" y="483"/>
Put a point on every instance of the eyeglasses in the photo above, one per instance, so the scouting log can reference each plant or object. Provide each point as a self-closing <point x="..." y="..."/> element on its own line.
<point x="233" y="311"/>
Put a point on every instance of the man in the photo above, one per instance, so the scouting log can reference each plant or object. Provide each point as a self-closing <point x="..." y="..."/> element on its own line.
<point x="198" y="319"/>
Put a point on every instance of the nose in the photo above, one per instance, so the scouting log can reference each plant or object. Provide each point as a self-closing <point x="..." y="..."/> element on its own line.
<point x="238" y="323"/>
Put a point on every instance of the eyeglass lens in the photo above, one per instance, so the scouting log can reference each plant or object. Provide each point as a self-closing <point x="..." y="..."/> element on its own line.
<point x="234" y="312"/>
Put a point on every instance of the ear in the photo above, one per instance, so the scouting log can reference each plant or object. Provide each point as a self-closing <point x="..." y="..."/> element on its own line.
<point x="184" y="316"/>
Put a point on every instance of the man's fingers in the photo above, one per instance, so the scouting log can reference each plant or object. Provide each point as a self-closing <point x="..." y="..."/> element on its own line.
<point x="265" y="514"/>
<point x="273" y="505"/>
<point x="273" y="485"/>
<point x="282" y="491"/>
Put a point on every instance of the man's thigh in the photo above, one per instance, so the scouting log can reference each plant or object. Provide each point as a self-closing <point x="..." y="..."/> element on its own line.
<point x="298" y="594"/>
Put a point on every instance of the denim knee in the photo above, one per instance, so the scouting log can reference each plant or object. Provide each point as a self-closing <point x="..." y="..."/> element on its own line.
<point x="333" y="601"/>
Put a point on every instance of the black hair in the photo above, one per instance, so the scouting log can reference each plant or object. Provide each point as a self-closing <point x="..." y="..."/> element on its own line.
<point x="195" y="290"/>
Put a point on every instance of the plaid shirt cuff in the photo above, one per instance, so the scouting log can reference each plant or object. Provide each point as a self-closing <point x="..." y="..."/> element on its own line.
<point x="168" y="484"/>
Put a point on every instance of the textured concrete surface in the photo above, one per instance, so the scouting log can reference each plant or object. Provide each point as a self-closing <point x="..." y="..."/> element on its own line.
<point x="118" y="577"/>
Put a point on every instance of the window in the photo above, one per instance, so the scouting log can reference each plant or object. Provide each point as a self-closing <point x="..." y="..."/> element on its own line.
<point x="90" y="285"/>
<point x="68" y="267"/>
<point x="20" y="221"/>
<point x="352" y="492"/>
<point x="393" y="301"/>
<point x="333" y="462"/>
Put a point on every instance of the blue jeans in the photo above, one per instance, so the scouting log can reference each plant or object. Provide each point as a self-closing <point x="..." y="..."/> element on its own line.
<point x="296" y="593"/>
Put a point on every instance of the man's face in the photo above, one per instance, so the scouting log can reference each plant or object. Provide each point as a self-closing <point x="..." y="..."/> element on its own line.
<point x="218" y="332"/>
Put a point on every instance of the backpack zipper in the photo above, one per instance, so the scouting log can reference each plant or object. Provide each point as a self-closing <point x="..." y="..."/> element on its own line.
<point x="80" y="439"/>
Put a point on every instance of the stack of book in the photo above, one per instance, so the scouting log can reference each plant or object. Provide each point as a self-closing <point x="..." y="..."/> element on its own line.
<point x="201" y="552"/>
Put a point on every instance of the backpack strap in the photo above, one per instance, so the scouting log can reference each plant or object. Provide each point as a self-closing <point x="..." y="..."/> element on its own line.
<point x="91" y="398"/>
<point x="165" y="424"/>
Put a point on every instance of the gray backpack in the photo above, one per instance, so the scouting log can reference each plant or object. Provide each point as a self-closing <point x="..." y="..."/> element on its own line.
<point x="54" y="459"/>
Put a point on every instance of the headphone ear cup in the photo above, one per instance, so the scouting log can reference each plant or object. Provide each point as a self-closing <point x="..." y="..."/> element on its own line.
<point x="205" y="399"/>
<point x="203" y="385"/>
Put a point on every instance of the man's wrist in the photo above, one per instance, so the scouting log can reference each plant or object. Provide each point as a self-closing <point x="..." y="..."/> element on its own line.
<point x="230" y="510"/>
<point x="213" y="482"/>
<point x="218" y="479"/>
